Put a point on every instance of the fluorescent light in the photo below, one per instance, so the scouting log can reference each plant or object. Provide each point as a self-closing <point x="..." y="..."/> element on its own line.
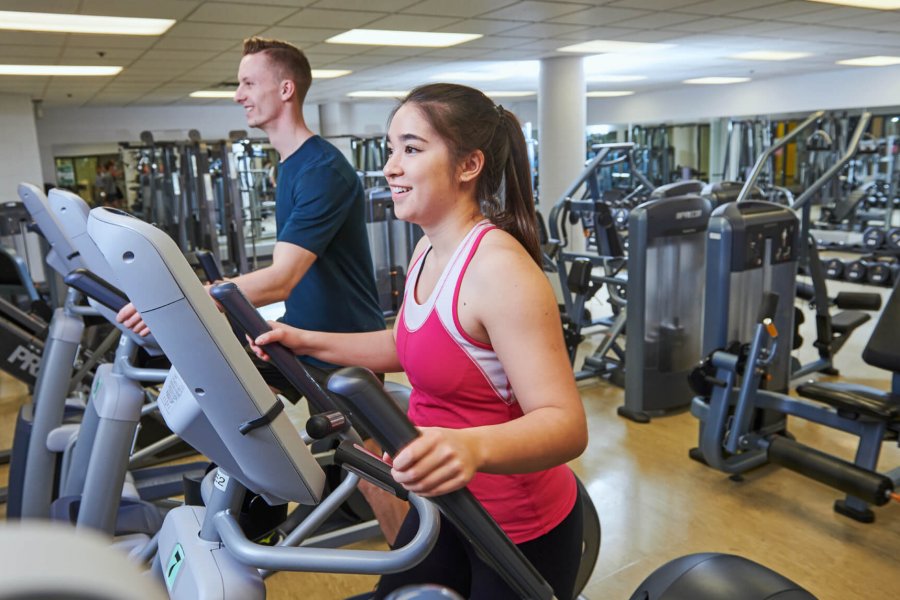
<point x="609" y="94"/>
<point x="613" y="78"/>
<point x="213" y="94"/>
<point x="329" y="73"/>
<point x="59" y="70"/>
<point x="895" y="119"/>
<point x="467" y="76"/>
<point x="503" y="94"/>
<point x="66" y="23"/>
<point x="378" y="94"/>
<point x="770" y="55"/>
<point x="877" y="4"/>
<point x="386" y="37"/>
<point x="871" y="61"/>
<point x="716" y="80"/>
<point x="607" y="46"/>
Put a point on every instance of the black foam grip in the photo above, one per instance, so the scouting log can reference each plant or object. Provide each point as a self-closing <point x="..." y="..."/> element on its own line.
<point x="380" y="415"/>
<point x="858" y="301"/>
<point x="805" y="291"/>
<point x="247" y="318"/>
<point x="210" y="265"/>
<point x="870" y="486"/>
<point x="99" y="289"/>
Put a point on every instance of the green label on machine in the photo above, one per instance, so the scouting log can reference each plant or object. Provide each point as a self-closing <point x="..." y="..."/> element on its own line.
<point x="174" y="566"/>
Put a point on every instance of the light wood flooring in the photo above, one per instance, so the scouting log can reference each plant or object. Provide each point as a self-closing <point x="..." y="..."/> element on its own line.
<point x="655" y="504"/>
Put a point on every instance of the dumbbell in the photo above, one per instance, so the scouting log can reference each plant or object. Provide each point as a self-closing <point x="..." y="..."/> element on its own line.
<point x="856" y="271"/>
<point x="834" y="268"/>
<point x="881" y="271"/>
<point x="873" y="237"/>
<point x="893" y="238"/>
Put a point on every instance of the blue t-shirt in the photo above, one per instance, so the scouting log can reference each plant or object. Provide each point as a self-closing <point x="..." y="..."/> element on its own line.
<point x="320" y="206"/>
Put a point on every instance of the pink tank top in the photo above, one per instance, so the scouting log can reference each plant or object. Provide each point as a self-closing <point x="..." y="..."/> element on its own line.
<point x="459" y="382"/>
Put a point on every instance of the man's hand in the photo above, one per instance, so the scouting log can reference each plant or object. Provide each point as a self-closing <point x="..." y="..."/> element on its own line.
<point x="131" y="318"/>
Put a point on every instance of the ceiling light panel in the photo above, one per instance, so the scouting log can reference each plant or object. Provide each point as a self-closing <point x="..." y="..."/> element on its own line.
<point x="387" y="37"/>
<point x="67" y="23"/>
<point x="871" y="61"/>
<point x="613" y="78"/>
<point x="609" y="94"/>
<point x="378" y="94"/>
<point x="329" y="73"/>
<point x="612" y="46"/>
<point x="509" y="94"/>
<point x="770" y="55"/>
<point x="876" y="4"/>
<point x="716" y="80"/>
<point x="212" y="94"/>
<point x="59" y="70"/>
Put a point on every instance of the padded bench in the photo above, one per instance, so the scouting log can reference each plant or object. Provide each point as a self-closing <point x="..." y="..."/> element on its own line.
<point x="846" y="321"/>
<point x="854" y="399"/>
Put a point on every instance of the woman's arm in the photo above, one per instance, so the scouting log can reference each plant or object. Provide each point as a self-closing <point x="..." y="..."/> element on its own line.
<point x="506" y="298"/>
<point x="374" y="350"/>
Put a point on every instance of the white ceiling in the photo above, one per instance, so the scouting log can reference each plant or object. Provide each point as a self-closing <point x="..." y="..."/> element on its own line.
<point x="202" y="50"/>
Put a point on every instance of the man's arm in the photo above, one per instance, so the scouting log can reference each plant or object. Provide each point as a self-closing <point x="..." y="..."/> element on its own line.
<point x="275" y="282"/>
<point x="261" y="287"/>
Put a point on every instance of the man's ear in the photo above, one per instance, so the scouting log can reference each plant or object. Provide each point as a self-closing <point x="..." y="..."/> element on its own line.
<point x="471" y="166"/>
<point x="287" y="88"/>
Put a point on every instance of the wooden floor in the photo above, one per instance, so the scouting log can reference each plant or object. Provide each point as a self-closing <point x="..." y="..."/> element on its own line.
<point x="655" y="504"/>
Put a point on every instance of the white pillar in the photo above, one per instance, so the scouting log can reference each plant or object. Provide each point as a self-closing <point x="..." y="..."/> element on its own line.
<point x="335" y="118"/>
<point x="562" y="118"/>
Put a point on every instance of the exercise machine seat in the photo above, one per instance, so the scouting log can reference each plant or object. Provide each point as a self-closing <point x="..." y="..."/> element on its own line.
<point x="846" y="321"/>
<point x="882" y="350"/>
<point x="713" y="575"/>
<point x="853" y="398"/>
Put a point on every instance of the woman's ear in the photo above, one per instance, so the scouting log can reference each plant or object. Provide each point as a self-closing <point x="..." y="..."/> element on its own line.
<point x="471" y="166"/>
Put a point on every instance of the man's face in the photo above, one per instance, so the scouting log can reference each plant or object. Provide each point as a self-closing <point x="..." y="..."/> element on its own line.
<point x="258" y="90"/>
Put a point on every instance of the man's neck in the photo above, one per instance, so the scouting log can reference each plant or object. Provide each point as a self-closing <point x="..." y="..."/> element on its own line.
<point x="288" y="136"/>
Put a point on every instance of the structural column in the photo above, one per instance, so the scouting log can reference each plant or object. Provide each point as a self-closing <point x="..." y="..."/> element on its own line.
<point x="562" y="114"/>
<point x="335" y="118"/>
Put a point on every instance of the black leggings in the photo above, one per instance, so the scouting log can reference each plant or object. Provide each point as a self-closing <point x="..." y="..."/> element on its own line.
<point x="453" y="562"/>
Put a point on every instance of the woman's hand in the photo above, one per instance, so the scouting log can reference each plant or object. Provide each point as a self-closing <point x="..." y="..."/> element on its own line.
<point x="437" y="462"/>
<point x="281" y="333"/>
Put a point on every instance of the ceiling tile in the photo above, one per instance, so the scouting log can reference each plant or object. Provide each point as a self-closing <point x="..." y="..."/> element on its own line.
<point x="213" y="30"/>
<point x="301" y="34"/>
<point x="113" y="56"/>
<point x="711" y="24"/>
<point x="726" y="7"/>
<point x="457" y="8"/>
<point x="32" y="38"/>
<point x="600" y="33"/>
<point x="535" y="11"/>
<point x="456" y="52"/>
<point x="385" y="5"/>
<point x="657" y="20"/>
<point x="781" y="10"/>
<point x="185" y="43"/>
<point x="413" y="23"/>
<point x="497" y="41"/>
<point x="335" y="19"/>
<point x="8" y="51"/>
<point x="157" y="9"/>
<point x="220" y="12"/>
<point x="512" y="55"/>
<point x="482" y="26"/>
<point x="652" y="4"/>
<point x="543" y="30"/>
<point x="52" y="6"/>
<point x="601" y="15"/>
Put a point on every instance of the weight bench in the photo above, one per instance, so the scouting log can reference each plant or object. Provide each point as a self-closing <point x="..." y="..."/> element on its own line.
<point x="859" y="402"/>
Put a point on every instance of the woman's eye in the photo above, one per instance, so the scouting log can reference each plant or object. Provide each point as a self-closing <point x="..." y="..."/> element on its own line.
<point x="411" y="150"/>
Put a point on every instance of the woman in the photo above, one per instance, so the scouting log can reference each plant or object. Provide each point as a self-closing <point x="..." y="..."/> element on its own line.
<point x="480" y="339"/>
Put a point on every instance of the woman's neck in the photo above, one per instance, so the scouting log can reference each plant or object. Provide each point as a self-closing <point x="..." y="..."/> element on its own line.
<point x="446" y="235"/>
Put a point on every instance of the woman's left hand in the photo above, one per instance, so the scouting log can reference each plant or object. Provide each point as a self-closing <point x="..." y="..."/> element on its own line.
<point x="437" y="462"/>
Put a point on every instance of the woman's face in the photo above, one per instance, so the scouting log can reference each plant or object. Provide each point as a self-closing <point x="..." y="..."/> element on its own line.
<point x="422" y="173"/>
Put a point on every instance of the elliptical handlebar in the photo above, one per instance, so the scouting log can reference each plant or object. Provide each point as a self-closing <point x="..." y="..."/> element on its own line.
<point x="382" y="417"/>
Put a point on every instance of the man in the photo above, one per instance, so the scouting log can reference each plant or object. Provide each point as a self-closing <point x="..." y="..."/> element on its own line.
<point x="321" y="265"/>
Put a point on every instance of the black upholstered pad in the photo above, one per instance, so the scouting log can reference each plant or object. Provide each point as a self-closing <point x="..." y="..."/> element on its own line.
<point x="883" y="351"/>
<point x="854" y="398"/>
